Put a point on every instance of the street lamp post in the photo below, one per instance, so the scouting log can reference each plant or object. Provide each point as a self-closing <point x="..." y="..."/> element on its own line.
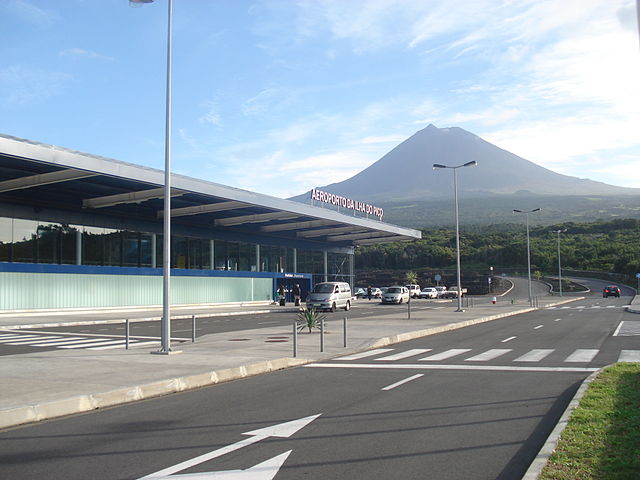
<point x="473" y="163"/>
<point x="528" y="249"/>
<point x="558" y="232"/>
<point x="165" y="329"/>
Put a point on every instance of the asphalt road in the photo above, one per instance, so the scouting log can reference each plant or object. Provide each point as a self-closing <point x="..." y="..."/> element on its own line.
<point x="41" y="339"/>
<point x="474" y="403"/>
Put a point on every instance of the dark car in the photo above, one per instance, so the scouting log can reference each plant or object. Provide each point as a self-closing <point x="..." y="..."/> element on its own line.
<point x="611" y="291"/>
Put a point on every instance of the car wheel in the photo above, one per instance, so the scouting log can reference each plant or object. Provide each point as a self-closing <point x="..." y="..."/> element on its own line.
<point x="347" y="306"/>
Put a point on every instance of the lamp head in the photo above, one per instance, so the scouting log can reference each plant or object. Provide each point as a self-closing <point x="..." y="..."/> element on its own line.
<point x="472" y="163"/>
<point x="438" y="165"/>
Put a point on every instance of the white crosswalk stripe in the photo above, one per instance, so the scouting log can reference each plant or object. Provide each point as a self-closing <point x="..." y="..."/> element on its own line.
<point x="368" y="353"/>
<point x="444" y="355"/>
<point x="68" y="342"/>
<point x="489" y="355"/>
<point x="405" y="354"/>
<point x="629" y="356"/>
<point x="581" y="355"/>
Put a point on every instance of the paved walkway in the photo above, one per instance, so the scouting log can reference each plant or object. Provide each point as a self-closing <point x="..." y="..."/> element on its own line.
<point x="49" y="384"/>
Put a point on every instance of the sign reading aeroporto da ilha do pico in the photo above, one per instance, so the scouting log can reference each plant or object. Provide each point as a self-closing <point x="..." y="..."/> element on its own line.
<point x="344" y="202"/>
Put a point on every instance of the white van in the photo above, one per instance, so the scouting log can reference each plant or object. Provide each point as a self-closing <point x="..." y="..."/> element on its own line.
<point x="330" y="296"/>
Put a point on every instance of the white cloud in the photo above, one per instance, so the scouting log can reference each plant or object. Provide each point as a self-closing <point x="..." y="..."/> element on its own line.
<point x="83" y="54"/>
<point x="28" y="12"/>
<point x="25" y="86"/>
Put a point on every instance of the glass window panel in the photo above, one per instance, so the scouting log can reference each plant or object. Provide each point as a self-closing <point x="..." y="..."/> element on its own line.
<point x="48" y="243"/>
<point x="112" y="248"/>
<point x="69" y="243"/>
<point x="146" y="242"/>
<point x="130" y="249"/>
<point x="179" y="252"/>
<point x="6" y="239"/>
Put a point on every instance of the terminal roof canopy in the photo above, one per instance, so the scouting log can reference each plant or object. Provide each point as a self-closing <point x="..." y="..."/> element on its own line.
<point x="45" y="176"/>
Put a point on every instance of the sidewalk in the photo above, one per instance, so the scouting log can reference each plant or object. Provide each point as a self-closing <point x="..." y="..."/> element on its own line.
<point x="49" y="384"/>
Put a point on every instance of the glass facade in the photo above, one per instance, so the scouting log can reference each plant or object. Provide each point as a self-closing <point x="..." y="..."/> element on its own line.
<point x="30" y="241"/>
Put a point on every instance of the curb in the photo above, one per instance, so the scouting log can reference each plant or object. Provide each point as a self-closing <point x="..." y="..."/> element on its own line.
<point x="535" y="469"/>
<point x="143" y="319"/>
<point x="12" y="417"/>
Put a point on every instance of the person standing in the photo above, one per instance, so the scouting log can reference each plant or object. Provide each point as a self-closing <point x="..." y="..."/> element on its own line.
<point x="296" y="295"/>
<point x="369" y="292"/>
<point x="283" y="298"/>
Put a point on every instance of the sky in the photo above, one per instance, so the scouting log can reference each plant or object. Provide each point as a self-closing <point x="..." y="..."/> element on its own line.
<point x="280" y="96"/>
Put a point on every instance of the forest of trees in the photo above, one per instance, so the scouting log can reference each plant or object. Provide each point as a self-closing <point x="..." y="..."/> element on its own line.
<point x="603" y="246"/>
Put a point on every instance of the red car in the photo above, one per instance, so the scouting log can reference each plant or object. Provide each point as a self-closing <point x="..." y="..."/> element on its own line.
<point x="611" y="291"/>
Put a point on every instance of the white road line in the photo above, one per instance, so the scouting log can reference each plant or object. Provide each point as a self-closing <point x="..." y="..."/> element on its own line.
<point x="629" y="356"/>
<point x="58" y="341"/>
<point x="402" y="382"/>
<point x="534" y="355"/>
<point x="401" y="355"/>
<point x="539" y="326"/>
<point x="489" y="355"/>
<point x="508" y="339"/>
<point x="405" y="366"/>
<point x="368" y="353"/>
<point x="94" y="344"/>
<point x="615" y="334"/>
<point x="131" y="344"/>
<point x="582" y="355"/>
<point x="558" y="320"/>
<point x="23" y="341"/>
<point x="444" y="355"/>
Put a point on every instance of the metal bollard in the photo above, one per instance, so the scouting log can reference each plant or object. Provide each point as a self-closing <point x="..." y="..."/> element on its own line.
<point x="344" y="330"/>
<point x="193" y="328"/>
<point x="409" y="308"/>
<point x="295" y="339"/>
<point x="322" y="335"/>
<point x="126" y="334"/>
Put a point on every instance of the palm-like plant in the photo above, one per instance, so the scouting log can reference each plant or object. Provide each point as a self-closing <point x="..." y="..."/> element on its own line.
<point x="309" y="318"/>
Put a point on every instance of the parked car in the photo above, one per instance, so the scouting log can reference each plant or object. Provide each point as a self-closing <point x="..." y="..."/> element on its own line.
<point x="360" y="293"/>
<point x="453" y="292"/>
<point x="383" y="290"/>
<point x="396" y="294"/>
<point x="330" y="296"/>
<point x="414" y="290"/>
<point x="611" y="291"/>
<point x="428" y="292"/>
<point x="441" y="290"/>
<point x="376" y="293"/>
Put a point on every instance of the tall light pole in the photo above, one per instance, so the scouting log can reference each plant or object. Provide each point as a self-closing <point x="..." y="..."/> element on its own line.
<point x="527" y="212"/>
<point x="559" y="262"/>
<point x="473" y="163"/>
<point x="165" y="329"/>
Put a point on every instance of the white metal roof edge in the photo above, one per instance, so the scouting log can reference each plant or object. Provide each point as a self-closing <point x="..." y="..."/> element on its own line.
<point x="67" y="158"/>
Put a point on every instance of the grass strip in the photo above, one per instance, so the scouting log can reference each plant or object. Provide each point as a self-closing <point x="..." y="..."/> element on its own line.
<point x="602" y="439"/>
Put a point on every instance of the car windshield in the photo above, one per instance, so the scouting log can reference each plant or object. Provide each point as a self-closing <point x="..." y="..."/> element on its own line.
<point x="394" y="290"/>
<point x="323" y="288"/>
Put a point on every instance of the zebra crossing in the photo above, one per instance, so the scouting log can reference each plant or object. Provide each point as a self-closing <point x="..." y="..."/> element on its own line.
<point x="582" y="355"/>
<point x="70" y="341"/>
<point x="584" y="307"/>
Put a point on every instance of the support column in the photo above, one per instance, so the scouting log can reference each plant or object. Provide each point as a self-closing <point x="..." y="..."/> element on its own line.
<point x="154" y="246"/>
<point x="212" y="254"/>
<point x="258" y="269"/>
<point x="352" y="274"/>
<point x="325" y="261"/>
<point x="78" y="247"/>
<point x="295" y="260"/>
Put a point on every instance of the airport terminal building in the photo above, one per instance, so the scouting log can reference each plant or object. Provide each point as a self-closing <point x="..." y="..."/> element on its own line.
<point x="78" y="230"/>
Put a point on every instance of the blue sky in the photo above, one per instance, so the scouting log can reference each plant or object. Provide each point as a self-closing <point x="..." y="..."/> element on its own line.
<point x="279" y="96"/>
